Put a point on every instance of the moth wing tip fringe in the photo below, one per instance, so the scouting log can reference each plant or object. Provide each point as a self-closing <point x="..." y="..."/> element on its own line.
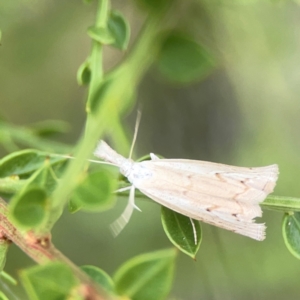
<point x="118" y="225"/>
<point x="115" y="228"/>
<point x="255" y="231"/>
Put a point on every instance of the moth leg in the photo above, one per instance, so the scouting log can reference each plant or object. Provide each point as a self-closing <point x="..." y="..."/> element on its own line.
<point x="118" y="225"/>
<point x="194" y="231"/>
<point x="153" y="156"/>
<point x="123" y="189"/>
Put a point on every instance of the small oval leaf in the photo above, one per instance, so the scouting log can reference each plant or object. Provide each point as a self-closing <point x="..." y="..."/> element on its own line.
<point x="49" y="282"/>
<point x="182" y="60"/>
<point x="101" y="35"/>
<point x="28" y="209"/>
<point x="119" y="29"/>
<point x="84" y="74"/>
<point x="291" y="232"/>
<point x="45" y="178"/>
<point x="74" y="207"/>
<point x="182" y="231"/>
<point x="25" y="162"/>
<point x="96" y="192"/>
<point x="147" y="276"/>
<point x="100" y="277"/>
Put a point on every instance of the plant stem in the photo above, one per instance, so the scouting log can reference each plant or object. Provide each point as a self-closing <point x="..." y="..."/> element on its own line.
<point x="96" y="56"/>
<point x="281" y="203"/>
<point x="127" y="78"/>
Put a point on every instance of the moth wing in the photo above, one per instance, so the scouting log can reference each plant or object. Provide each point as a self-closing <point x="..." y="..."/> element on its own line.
<point x="213" y="194"/>
<point x="185" y="205"/>
<point x="250" y="185"/>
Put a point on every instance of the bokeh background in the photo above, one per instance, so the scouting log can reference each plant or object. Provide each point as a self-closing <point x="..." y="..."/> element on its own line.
<point x="244" y="113"/>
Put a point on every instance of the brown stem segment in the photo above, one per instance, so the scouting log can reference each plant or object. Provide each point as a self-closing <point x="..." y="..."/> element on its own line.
<point x="42" y="251"/>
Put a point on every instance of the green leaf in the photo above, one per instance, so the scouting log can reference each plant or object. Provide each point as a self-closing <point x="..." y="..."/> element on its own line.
<point x="28" y="209"/>
<point x="100" y="277"/>
<point x="101" y="35"/>
<point x="2" y="296"/>
<point x="116" y="33"/>
<point x="291" y="232"/>
<point x="73" y="206"/>
<point x="181" y="232"/>
<point x="84" y="74"/>
<point x="96" y="191"/>
<point x="119" y="29"/>
<point x="49" y="282"/>
<point x="182" y="60"/>
<point x="3" y="251"/>
<point x="46" y="177"/>
<point x="25" y="162"/>
<point x="147" y="276"/>
<point x="49" y="128"/>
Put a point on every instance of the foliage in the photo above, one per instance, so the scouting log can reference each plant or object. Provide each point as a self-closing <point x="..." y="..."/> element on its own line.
<point x="41" y="180"/>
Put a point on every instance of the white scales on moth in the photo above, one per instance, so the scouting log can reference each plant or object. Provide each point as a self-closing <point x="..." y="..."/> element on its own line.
<point x="217" y="194"/>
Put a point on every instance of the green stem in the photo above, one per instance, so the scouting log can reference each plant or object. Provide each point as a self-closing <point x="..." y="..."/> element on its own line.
<point x="281" y="203"/>
<point x="145" y="50"/>
<point x="93" y="130"/>
<point x="126" y="78"/>
<point x="96" y="56"/>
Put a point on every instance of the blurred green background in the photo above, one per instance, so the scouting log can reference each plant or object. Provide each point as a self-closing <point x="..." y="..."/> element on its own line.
<point x="245" y="113"/>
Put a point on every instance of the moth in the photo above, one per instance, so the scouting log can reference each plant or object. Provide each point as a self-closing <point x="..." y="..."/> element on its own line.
<point x="221" y="195"/>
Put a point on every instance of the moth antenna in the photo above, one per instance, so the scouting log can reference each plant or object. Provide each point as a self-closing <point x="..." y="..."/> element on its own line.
<point x="90" y="160"/>
<point x="102" y="162"/>
<point x="118" y="225"/>
<point x="194" y="231"/>
<point x="136" y="128"/>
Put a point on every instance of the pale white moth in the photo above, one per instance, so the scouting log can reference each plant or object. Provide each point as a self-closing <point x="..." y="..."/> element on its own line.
<point x="221" y="195"/>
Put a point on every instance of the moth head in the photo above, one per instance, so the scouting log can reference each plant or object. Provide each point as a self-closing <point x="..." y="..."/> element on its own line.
<point x="126" y="169"/>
